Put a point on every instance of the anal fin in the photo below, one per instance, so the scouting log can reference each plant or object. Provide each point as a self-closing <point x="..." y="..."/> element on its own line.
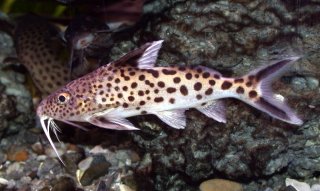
<point x="112" y="123"/>
<point x="174" y="118"/>
<point x="215" y="110"/>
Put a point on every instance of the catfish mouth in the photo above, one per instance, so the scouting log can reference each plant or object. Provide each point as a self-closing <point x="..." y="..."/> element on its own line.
<point x="46" y="128"/>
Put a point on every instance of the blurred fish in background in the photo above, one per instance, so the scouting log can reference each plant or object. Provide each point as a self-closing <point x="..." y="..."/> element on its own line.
<point x="90" y="34"/>
<point x="86" y="38"/>
<point x="53" y="56"/>
<point x="41" y="50"/>
<point x="116" y="14"/>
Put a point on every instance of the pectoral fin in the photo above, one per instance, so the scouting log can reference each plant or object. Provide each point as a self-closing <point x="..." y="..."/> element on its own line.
<point x="215" y="110"/>
<point x="174" y="118"/>
<point x="112" y="123"/>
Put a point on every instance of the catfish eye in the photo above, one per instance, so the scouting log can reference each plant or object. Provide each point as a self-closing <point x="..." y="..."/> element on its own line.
<point x="63" y="98"/>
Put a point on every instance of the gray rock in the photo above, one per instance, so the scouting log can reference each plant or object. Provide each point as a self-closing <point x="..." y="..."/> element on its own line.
<point x="71" y="160"/>
<point x="6" y="45"/>
<point x="299" y="83"/>
<point x="15" y="171"/>
<point x="64" y="184"/>
<point x="92" y="168"/>
<point x="312" y="83"/>
<point x="15" y="87"/>
<point x="49" y="168"/>
<point x="7" y="109"/>
<point x="16" y="102"/>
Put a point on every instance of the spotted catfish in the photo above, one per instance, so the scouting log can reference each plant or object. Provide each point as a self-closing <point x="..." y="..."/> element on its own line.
<point x="133" y="86"/>
<point x="40" y="49"/>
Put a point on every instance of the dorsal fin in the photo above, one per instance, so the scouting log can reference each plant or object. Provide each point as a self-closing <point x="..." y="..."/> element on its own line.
<point x="143" y="57"/>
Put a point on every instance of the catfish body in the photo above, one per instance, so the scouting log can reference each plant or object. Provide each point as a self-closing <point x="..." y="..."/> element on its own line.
<point x="133" y="86"/>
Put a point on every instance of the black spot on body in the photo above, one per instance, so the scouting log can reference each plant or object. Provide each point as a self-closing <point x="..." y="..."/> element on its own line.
<point x="154" y="73"/>
<point x="238" y="80"/>
<point x="122" y="74"/>
<point x="216" y="76"/>
<point x="172" y="100"/>
<point x="199" y="96"/>
<point x="161" y="84"/>
<point x="140" y="93"/>
<point x="131" y="98"/>
<point x="249" y="84"/>
<point x="226" y="85"/>
<point x="197" y="86"/>
<point x="134" y="85"/>
<point x="184" y="90"/>
<point x="209" y="91"/>
<point x="171" y="90"/>
<point x="158" y="99"/>
<point x="240" y="90"/>
<point x="253" y="94"/>
<point x="212" y="82"/>
<point x="182" y="68"/>
<point x="169" y="72"/>
<point x="142" y="103"/>
<point x="206" y="75"/>
<point x="176" y="80"/>
<point x="188" y="76"/>
<point x="142" y="77"/>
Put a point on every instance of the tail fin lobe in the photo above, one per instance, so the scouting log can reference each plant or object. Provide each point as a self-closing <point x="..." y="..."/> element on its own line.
<point x="267" y="100"/>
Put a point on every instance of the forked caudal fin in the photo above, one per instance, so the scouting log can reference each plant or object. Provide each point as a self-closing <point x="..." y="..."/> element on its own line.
<point x="261" y="96"/>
